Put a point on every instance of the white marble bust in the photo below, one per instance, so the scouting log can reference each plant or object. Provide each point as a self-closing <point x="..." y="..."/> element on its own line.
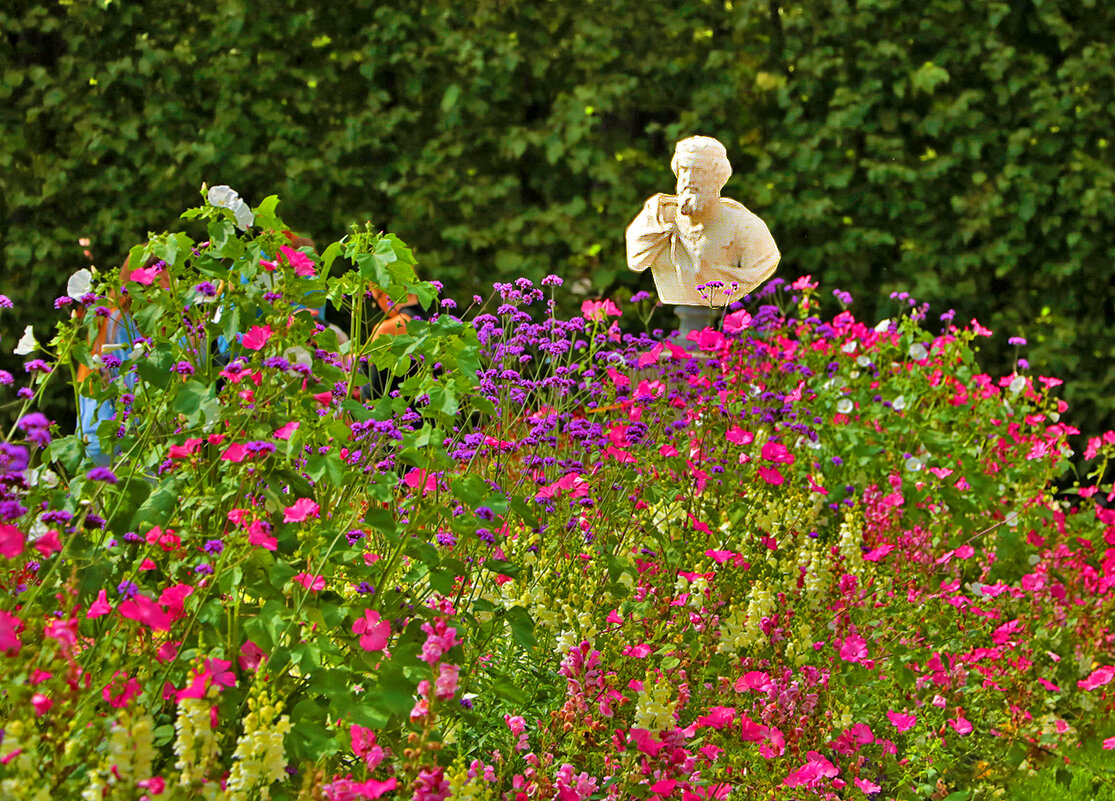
<point x="696" y="237"/>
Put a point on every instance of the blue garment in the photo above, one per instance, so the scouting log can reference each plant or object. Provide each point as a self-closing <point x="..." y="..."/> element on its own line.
<point x="121" y="331"/>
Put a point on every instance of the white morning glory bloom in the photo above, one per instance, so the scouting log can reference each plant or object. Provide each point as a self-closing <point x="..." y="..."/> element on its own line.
<point x="80" y="283"/>
<point x="226" y="197"/>
<point x="883" y="326"/>
<point x="27" y="343"/>
<point x="918" y="351"/>
<point x="1017" y="384"/>
<point x="914" y="464"/>
<point x="899" y="403"/>
<point x="843" y="406"/>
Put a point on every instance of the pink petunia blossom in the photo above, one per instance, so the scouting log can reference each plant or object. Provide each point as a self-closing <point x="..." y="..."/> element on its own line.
<point x="129" y="690"/>
<point x="256" y="337"/>
<point x="771" y="475"/>
<point x="41" y="704"/>
<point x="287" y="430"/>
<point x="234" y="453"/>
<point x="99" y="607"/>
<point x="739" y="436"/>
<point x="310" y="582"/>
<point x="868" y="787"/>
<point x="11" y="541"/>
<point x="1099" y="677"/>
<point x="144" y="275"/>
<point x="854" y="649"/>
<point x="753" y="680"/>
<point x="259" y="533"/>
<point x="302" y="509"/>
<point x="48" y="543"/>
<point x="251" y="655"/>
<point x="901" y="720"/>
<point x="777" y="452"/>
<point x="961" y="724"/>
<point x="736" y="322"/>
<point x="815" y="770"/>
<point x="146" y="611"/>
<point x="303" y="265"/>
<point x="718" y="717"/>
<point x="10" y="625"/>
<point x="372" y="630"/>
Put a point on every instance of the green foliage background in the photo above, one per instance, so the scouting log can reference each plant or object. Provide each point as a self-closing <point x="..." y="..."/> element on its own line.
<point x="955" y="150"/>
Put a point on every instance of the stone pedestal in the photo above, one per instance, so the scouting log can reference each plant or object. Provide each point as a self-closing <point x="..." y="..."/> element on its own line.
<point x="693" y="318"/>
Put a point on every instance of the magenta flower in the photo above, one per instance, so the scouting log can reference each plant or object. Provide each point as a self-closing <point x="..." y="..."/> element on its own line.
<point x="373" y="631"/>
<point x="10" y="626"/>
<point x="256" y="337"/>
<point x="11" y="541"/>
<point x="302" y="509"/>
<point x="901" y="720"/>
<point x="310" y="582"/>
<point x="303" y="265"/>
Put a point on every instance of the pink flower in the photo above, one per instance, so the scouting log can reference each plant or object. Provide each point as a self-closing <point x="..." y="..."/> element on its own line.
<point x="41" y="703"/>
<point x="877" y="553"/>
<point x="235" y="453"/>
<point x="640" y="651"/>
<point x="597" y="310"/>
<point x="303" y="508"/>
<point x="324" y="398"/>
<point x="146" y="611"/>
<point x="961" y="724"/>
<point x="256" y="337"/>
<point x="416" y="478"/>
<point x="99" y="607"/>
<point x="1099" y="677"/>
<point x="1109" y="744"/>
<point x="902" y="721"/>
<point x="646" y="742"/>
<point x="303" y="265"/>
<point x="310" y="582"/>
<point x="854" y="649"/>
<point x="121" y="699"/>
<point x="143" y="275"/>
<point x="718" y="717"/>
<point x="753" y="680"/>
<point x="250" y="656"/>
<point x="373" y="631"/>
<point x="259" y="533"/>
<point x="813" y="772"/>
<point x="776" y="452"/>
<point x="9" y="638"/>
<point x="48" y="543"/>
<point x="737" y="321"/>
<point x="868" y="787"/>
<point x="771" y="475"/>
<point x="446" y="685"/>
<point x="287" y="430"/>
<point x="11" y="541"/>
<point x="739" y="436"/>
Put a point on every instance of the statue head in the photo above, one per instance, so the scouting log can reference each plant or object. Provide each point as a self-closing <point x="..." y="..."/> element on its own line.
<point x="702" y="168"/>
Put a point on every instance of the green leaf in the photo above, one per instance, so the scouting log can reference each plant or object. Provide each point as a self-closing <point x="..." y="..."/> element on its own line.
<point x="522" y="627"/>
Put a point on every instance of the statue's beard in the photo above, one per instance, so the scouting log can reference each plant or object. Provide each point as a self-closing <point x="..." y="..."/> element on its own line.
<point x="692" y="200"/>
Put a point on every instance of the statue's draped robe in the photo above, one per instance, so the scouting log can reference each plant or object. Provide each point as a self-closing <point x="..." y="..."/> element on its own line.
<point x="739" y="250"/>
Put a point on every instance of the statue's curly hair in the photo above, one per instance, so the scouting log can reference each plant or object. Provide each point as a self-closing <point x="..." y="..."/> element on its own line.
<point x="708" y="150"/>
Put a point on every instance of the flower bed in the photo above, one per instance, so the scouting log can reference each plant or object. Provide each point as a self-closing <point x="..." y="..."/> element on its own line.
<point x="541" y="558"/>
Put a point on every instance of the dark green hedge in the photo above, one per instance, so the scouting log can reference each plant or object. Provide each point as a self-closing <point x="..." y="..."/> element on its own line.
<point x="956" y="150"/>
